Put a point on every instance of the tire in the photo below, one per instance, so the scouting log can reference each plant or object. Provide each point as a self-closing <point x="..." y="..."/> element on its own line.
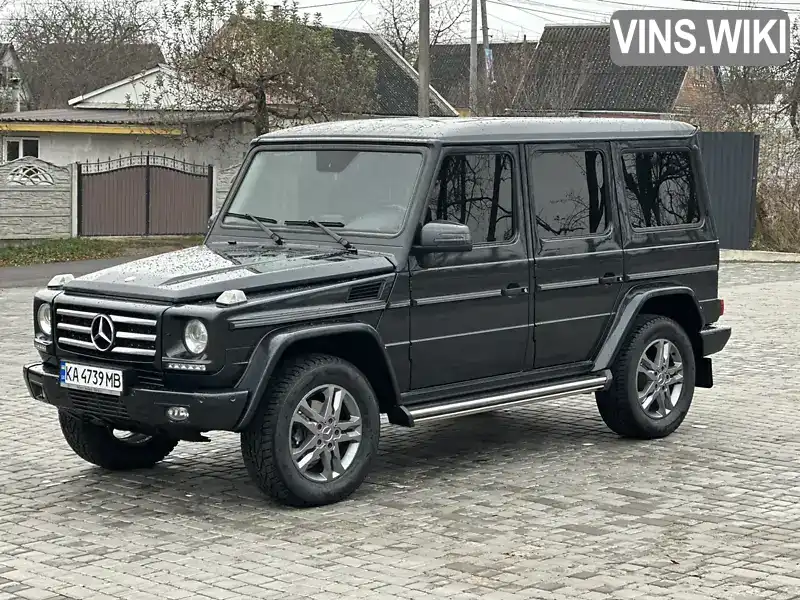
<point x="98" y="445"/>
<point x="328" y="467"/>
<point x="620" y="406"/>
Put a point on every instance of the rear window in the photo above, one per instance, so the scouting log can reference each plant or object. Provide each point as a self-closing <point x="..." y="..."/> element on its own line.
<point x="660" y="189"/>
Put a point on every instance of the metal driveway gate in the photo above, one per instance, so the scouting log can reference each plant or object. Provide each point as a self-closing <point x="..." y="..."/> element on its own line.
<point x="143" y="195"/>
<point x="730" y="161"/>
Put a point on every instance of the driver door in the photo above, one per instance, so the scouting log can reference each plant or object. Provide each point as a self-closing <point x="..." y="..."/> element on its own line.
<point x="470" y="310"/>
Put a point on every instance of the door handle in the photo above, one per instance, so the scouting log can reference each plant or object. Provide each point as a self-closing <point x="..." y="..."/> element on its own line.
<point x="513" y="289"/>
<point x="610" y="278"/>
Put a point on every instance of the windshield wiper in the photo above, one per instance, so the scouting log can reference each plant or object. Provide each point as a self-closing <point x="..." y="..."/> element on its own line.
<point x="330" y="232"/>
<point x="260" y="222"/>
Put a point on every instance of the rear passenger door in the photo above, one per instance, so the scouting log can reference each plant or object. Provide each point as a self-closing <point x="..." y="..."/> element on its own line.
<point x="669" y="235"/>
<point x="578" y="251"/>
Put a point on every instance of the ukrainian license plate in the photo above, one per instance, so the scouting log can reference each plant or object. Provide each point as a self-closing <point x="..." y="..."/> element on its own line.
<point x="91" y="379"/>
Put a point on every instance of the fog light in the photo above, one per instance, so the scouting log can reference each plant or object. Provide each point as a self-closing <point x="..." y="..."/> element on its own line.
<point x="177" y="413"/>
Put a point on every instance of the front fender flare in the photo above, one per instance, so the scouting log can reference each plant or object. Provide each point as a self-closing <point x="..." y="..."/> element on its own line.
<point x="272" y="347"/>
<point x="629" y="309"/>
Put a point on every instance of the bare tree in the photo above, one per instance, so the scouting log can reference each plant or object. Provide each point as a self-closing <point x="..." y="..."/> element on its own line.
<point x="69" y="47"/>
<point x="398" y="23"/>
<point x="551" y="83"/>
<point x="245" y="63"/>
<point x="505" y="88"/>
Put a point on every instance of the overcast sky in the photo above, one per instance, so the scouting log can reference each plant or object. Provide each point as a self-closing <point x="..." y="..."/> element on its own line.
<point x="511" y="19"/>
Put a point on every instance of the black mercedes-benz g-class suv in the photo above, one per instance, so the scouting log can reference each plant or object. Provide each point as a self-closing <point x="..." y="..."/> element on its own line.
<point x="417" y="268"/>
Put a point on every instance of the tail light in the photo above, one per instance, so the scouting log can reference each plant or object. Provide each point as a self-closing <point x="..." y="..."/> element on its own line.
<point x="721" y="307"/>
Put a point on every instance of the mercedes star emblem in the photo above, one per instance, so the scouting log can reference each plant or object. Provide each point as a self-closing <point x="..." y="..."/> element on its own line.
<point x="102" y="333"/>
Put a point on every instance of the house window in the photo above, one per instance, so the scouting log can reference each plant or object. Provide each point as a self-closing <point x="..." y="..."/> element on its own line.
<point x="570" y="195"/>
<point x="15" y="148"/>
<point x="6" y="75"/>
<point x="659" y="189"/>
<point x="476" y="190"/>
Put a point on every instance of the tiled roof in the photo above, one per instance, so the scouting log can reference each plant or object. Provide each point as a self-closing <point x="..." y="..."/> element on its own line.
<point x="396" y="85"/>
<point x="574" y="71"/>
<point x="396" y="82"/>
<point x="450" y="67"/>
<point x="59" y="72"/>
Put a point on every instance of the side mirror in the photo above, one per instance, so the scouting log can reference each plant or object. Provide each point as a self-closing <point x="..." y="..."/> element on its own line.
<point x="211" y="218"/>
<point x="444" y="236"/>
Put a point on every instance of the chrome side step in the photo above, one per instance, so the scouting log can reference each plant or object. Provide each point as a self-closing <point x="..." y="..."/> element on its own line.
<point x="471" y="406"/>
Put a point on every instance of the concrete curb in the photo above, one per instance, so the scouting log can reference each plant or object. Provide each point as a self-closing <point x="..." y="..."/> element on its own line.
<point x="758" y="256"/>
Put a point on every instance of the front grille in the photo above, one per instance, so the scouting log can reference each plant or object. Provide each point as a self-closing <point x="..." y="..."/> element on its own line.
<point x="98" y="405"/>
<point x="134" y="334"/>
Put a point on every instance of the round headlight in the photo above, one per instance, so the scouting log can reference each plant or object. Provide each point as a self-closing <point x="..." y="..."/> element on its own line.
<point x="195" y="337"/>
<point x="43" y="316"/>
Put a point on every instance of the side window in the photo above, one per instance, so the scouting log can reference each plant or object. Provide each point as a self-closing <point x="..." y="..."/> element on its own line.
<point x="12" y="150"/>
<point x="476" y="190"/>
<point x="17" y="148"/>
<point x="659" y="189"/>
<point x="570" y="194"/>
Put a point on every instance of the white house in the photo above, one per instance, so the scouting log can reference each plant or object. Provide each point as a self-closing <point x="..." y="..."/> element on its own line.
<point x="101" y="125"/>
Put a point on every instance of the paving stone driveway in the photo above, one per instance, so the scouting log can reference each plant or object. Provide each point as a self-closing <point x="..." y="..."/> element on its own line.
<point x="542" y="502"/>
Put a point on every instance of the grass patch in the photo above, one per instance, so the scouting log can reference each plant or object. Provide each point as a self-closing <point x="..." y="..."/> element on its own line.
<point x="64" y="250"/>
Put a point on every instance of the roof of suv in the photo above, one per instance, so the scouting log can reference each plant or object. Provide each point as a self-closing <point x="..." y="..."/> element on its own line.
<point x="485" y="129"/>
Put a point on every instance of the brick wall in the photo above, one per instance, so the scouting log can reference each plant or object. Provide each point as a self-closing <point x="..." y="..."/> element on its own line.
<point x="35" y="200"/>
<point x="225" y="178"/>
<point x="699" y="90"/>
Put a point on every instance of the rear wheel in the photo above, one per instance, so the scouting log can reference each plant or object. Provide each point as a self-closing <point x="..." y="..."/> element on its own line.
<point x="315" y="433"/>
<point x="653" y="383"/>
<point x="113" y="449"/>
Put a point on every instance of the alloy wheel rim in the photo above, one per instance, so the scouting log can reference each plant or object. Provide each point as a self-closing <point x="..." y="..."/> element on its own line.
<point x="325" y="433"/>
<point x="659" y="378"/>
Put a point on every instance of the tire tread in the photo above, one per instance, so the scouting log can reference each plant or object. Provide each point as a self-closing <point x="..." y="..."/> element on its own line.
<point x="616" y="409"/>
<point x="256" y="441"/>
<point x="96" y="444"/>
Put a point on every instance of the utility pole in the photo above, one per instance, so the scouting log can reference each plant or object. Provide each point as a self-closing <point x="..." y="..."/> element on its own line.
<point x="487" y="83"/>
<point x="473" y="60"/>
<point x="424" y="57"/>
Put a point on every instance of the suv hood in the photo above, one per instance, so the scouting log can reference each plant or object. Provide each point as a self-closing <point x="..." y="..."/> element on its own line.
<point x="202" y="272"/>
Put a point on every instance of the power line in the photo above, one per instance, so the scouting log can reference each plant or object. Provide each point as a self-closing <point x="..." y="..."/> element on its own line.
<point x="538" y="12"/>
<point x="722" y="3"/>
<point x="326" y="4"/>
<point x="517" y="25"/>
<point x="353" y="13"/>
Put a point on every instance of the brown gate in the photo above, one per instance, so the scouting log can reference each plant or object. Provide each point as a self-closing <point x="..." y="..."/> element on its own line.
<point x="143" y="195"/>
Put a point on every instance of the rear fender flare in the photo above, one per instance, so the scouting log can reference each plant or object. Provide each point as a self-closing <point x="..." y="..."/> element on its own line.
<point x="272" y="347"/>
<point x="629" y="309"/>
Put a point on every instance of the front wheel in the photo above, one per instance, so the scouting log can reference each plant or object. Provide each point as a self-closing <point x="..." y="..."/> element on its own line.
<point x="106" y="448"/>
<point x="653" y="380"/>
<point x="315" y="434"/>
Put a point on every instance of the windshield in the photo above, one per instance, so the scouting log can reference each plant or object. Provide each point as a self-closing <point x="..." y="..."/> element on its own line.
<point x="357" y="190"/>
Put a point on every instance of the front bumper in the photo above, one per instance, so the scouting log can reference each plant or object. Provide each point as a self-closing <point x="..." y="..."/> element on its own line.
<point x="714" y="339"/>
<point x="208" y="411"/>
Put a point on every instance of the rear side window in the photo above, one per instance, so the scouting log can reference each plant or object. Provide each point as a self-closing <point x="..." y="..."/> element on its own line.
<point x="569" y="193"/>
<point x="660" y="189"/>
